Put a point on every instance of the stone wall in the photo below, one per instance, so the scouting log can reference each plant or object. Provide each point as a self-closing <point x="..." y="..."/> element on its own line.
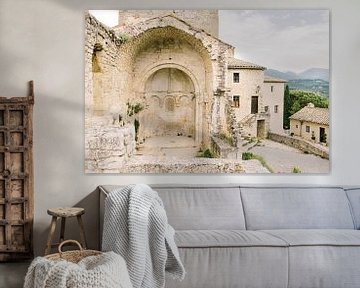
<point x="108" y="149"/>
<point x="301" y="144"/>
<point x="162" y="42"/>
<point x="101" y="73"/>
<point x="224" y="150"/>
<point x="207" y="20"/>
<point x="169" y="105"/>
<point x="212" y="50"/>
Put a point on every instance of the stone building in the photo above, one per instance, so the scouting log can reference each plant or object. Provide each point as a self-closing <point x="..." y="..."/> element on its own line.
<point x="311" y="123"/>
<point x="257" y="100"/>
<point x="185" y="80"/>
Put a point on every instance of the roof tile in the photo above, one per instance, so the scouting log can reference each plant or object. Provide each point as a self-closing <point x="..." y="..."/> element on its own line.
<point x="312" y="114"/>
<point x="237" y="63"/>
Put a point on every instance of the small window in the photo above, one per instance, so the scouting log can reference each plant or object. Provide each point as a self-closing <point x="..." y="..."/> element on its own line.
<point x="307" y="129"/>
<point x="297" y="126"/>
<point x="236" y="101"/>
<point x="266" y="108"/>
<point x="272" y="88"/>
<point x="236" y="77"/>
<point x="276" y="108"/>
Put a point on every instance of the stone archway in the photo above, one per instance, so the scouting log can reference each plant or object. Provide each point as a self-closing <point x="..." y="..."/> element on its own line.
<point x="170" y="47"/>
<point x="170" y="105"/>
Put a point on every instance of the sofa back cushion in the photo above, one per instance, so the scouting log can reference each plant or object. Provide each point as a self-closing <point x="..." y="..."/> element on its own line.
<point x="296" y="208"/>
<point x="203" y="208"/>
<point x="354" y="198"/>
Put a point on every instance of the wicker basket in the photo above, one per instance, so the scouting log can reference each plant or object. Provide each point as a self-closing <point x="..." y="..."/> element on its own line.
<point x="72" y="256"/>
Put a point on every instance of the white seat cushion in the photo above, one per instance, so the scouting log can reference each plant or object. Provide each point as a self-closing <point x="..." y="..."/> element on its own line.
<point x="315" y="237"/>
<point x="225" y="238"/>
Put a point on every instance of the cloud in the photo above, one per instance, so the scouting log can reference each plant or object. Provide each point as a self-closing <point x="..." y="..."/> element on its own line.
<point x="281" y="39"/>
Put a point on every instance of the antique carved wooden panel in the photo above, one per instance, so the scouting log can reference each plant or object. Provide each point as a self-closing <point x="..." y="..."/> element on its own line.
<point x="16" y="177"/>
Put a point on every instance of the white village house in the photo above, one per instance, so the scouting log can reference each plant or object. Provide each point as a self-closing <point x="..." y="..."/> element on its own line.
<point x="311" y="123"/>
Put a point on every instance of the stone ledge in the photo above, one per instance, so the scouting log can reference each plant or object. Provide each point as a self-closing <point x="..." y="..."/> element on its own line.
<point x="300" y="144"/>
<point x="223" y="149"/>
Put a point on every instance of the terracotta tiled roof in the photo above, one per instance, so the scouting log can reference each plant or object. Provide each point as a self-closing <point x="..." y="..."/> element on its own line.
<point x="274" y="80"/>
<point x="237" y="63"/>
<point x="312" y="114"/>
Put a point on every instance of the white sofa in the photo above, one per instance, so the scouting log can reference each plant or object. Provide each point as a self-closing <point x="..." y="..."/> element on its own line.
<point x="256" y="236"/>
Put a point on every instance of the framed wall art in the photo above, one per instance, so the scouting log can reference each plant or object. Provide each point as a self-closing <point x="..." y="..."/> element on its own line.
<point x="207" y="91"/>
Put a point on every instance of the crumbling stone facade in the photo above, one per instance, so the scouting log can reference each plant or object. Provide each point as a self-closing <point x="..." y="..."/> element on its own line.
<point x="206" y="20"/>
<point x="173" y="68"/>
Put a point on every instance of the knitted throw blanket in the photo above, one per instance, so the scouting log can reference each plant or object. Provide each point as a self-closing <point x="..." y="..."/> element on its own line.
<point x="135" y="226"/>
<point x="103" y="271"/>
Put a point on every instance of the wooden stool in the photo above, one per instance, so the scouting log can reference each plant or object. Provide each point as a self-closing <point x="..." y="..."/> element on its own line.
<point x="64" y="213"/>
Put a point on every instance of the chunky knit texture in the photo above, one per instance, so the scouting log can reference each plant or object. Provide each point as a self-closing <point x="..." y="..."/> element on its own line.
<point x="136" y="227"/>
<point x="107" y="270"/>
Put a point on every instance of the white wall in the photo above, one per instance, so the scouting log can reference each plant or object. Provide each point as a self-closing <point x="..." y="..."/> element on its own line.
<point x="43" y="40"/>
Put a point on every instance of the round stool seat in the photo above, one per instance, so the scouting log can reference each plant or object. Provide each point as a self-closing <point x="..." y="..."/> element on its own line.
<point x="66" y="211"/>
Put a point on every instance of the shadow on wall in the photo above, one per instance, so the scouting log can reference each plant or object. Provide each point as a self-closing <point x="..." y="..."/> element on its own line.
<point x="57" y="161"/>
<point x="91" y="219"/>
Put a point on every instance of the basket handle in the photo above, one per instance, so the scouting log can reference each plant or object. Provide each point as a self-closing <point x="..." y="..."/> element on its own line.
<point x="69" y="241"/>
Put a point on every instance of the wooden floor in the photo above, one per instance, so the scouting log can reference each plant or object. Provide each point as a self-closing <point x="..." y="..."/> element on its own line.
<point x="12" y="274"/>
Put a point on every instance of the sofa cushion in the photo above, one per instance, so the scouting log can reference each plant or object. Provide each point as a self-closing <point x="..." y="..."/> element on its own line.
<point x="354" y="198"/>
<point x="204" y="208"/>
<point x="191" y="207"/>
<point x="296" y="208"/>
<point x="324" y="266"/>
<point x="226" y="238"/>
<point x="224" y="267"/>
<point x="315" y="237"/>
<point x="327" y="258"/>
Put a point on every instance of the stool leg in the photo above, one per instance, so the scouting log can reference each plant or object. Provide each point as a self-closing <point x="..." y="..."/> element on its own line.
<point x="51" y="235"/>
<point x="82" y="232"/>
<point x="62" y="231"/>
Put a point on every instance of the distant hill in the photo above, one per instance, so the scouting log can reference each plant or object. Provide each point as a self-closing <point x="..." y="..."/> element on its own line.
<point x="315" y="73"/>
<point x="282" y="75"/>
<point x="315" y="85"/>
<point x="313" y="79"/>
<point x="312" y="73"/>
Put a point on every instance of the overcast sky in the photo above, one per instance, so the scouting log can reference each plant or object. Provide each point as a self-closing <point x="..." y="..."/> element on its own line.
<point x="286" y="40"/>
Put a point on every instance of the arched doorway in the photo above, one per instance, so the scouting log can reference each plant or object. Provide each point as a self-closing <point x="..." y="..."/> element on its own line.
<point x="170" y="105"/>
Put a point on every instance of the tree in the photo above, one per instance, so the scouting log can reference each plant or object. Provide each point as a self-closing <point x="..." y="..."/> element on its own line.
<point x="287" y="106"/>
<point x="295" y="100"/>
<point x="296" y="106"/>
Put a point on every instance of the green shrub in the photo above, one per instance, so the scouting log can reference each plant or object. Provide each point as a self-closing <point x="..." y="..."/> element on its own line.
<point x="206" y="154"/>
<point x="133" y="109"/>
<point x="121" y="39"/>
<point x="296" y="170"/>
<point x="263" y="162"/>
<point x="247" y="156"/>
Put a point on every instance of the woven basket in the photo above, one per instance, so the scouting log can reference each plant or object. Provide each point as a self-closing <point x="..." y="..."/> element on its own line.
<point x="72" y="256"/>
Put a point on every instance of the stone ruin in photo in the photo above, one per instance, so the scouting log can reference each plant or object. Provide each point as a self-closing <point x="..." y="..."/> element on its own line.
<point x="161" y="89"/>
